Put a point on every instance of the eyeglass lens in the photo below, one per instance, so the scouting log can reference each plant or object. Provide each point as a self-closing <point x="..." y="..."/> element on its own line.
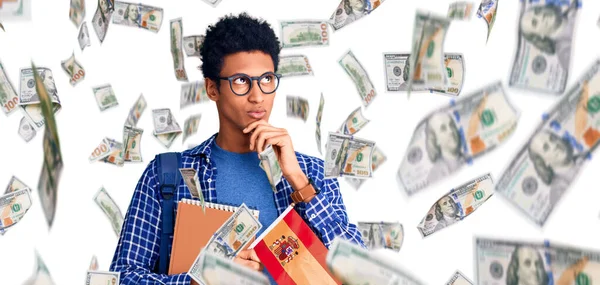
<point x="242" y="83"/>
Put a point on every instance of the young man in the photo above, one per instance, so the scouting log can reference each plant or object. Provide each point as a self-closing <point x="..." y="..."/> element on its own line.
<point x="240" y="56"/>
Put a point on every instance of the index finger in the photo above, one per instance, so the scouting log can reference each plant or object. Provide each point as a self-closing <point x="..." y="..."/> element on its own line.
<point x="254" y="124"/>
<point x="253" y="256"/>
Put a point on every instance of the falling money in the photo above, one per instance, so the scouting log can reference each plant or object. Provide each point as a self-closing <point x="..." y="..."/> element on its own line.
<point x="460" y="10"/>
<point x="304" y="33"/>
<point x="176" y="49"/>
<point x="359" y="76"/>
<point x="29" y="98"/>
<point x="192" y="45"/>
<point x="190" y="126"/>
<point x="110" y="208"/>
<point x="138" y="15"/>
<point x="294" y="65"/>
<point x="105" y="97"/>
<point x="382" y="235"/>
<point x="166" y="129"/>
<point x="84" y="36"/>
<point x="378" y="159"/>
<point x="270" y="164"/>
<point x="136" y="111"/>
<point x="8" y="96"/>
<point x="319" y="117"/>
<point x="354" y="123"/>
<point x="348" y="156"/>
<point x="234" y="234"/>
<point x="350" y="11"/>
<point x="193" y="93"/>
<point x="132" y="138"/>
<point x="211" y="269"/>
<point x="487" y="10"/>
<point x="297" y="107"/>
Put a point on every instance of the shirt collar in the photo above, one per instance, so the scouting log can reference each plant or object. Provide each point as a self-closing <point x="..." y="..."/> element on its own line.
<point x="203" y="149"/>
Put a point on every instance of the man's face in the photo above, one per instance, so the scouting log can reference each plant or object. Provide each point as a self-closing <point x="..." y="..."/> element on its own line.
<point x="553" y="150"/>
<point x="529" y="262"/>
<point x="541" y="21"/>
<point x="243" y="110"/>
<point x="447" y="206"/>
<point x="445" y="132"/>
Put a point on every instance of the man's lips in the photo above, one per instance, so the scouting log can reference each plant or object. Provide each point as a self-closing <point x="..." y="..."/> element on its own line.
<point x="257" y="114"/>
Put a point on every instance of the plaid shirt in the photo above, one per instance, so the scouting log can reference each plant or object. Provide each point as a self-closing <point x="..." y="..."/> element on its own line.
<point x="138" y="248"/>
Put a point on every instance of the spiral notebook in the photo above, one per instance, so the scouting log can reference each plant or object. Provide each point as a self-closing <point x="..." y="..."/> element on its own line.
<point x="193" y="230"/>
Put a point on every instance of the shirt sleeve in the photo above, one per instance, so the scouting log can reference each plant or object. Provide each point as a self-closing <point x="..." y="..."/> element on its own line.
<point x="326" y="211"/>
<point x="138" y="247"/>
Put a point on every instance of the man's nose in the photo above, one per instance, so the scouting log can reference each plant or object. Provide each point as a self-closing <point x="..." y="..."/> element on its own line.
<point x="256" y="95"/>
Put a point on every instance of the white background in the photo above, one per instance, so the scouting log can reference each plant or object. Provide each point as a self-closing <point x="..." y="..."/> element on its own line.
<point x="137" y="61"/>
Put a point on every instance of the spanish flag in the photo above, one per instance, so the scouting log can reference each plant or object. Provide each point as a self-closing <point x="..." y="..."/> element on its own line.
<point x="292" y="253"/>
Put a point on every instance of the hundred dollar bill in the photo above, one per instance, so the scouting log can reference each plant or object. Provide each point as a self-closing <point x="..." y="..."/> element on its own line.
<point x="427" y="60"/>
<point x="193" y="93"/>
<point x="397" y="70"/>
<point x="136" y="111"/>
<point x="270" y="164"/>
<point x="304" y="33"/>
<point x="29" y="98"/>
<point x="164" y="121"/>
<point x="359" y="76"/>
<point x="41" y="276"/>
<point x="74" y="69"/>
<point x="138" y="15"/>
<point x="105" y="97"/>
<point x="211" y="269"/>
<point x="543" y="54"/>
<point x="572" y="265"/>
<point x="16" y="10"/>
<point x="487" y="10"/>
<point x="167" y="139"/>
<point x="190" y="177"/>
<point x="354" y="123"/>
<point x="115" y="156"/>
<point x="190" y="126"/>
<point x="354" y="265"/>
<point x="460" y="10"/>
<point x="348" y="156"/>
<point x="101" y="151"/>
<point x="102" y="278"/>
<point x="351" y="10"/>
<point x="452" y="136"/>
<point x="319" y="117"/>
<point x="192" y="45"/>
<point x="26" y="131"/>
<point x="458" y="278"/>
<point x="93" y="263"/>
<point x="110" y="208"/>
<point x="15" y="184"/>
<point x="455" y="68"/>
<point x="8" y="96"/>
<point x="84" y="36"/>
<point x="377" y="159"/>
<point x="297" y="107"/>
<point x="132" y="137"/>
<point x="542" y="171"/>
<point x="234" y="234"/>
<point x="176" y="49"/>
<point x="77" y="12"/>
<point x="382" y="235"/>
<point x="213" y="3"/>
<point x="294" y="65"/>
<point x="101" y="19"/>
<point x="13" y="207"/>
<point x="459" y="203"/>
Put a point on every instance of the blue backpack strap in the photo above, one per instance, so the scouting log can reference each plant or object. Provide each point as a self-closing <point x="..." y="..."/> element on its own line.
<point x="168" y="179"/>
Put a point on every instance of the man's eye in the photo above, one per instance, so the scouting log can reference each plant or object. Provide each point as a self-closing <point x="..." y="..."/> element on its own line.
<point x="240" y="80"/>
<point x="267" y="79"/>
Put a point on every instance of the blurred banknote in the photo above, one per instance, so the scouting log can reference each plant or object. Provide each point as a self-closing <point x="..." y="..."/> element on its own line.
<point x="110" y="208"/>
<point x="105" y="97"/>
<point x="192" y="44"/>
<point x="348" y="156"/>
<point x="460" y="10"/>
<point x="132" y="137"/>
<point x="177" y="49"/>
<point x="453" y="136"/>
<point x="93" y="263"/>
<point x="351" y="10"/>
<point x="354" y="123"/>
<point x="164" y="121"/>
<point x="26" y="131"/>
<point x="41" y="276"/>
<point x="542" y="171"/>
<point x="457" y="205"/>
<point x="136" y="111"/>
<point x="427" y="63"/>
<point x="270" y="164"/>
<point x="354" y="265"/>
<point x="211" y="269"/>
<point x="193" y="93"/>
<point x="487" y="11"/>
<point x="101" y="151"/>
<point x="382" y="235"/>
<point x="13" y="207"/>
<point x="94" y="277"/>
<point x="459" y="279"/>
<point x="294" y="65"/>
<point x="29" y="98"/>
<point x="378" y="159"/>
<point x="190" y="126"/>
<point x="297" y="107"/>
<point x="77" y="12"/>
<point x="190" y="177"/>
<point x="545" y="39"/>
<point x="8" y="96"/>
<point x="15" y="184"/>
<point x="15" y="10"/>
<point x="101" y="19"/>
<point x="213" y="3"/>
<point x="234" y="234"/>
<point x="167" y="139"/>
<point x="115" y="156"/>
<point x="319" y="117"/>
<point x="359" y="76"/>
<point x="84" y="36"/>
<point x="138" y="15"/>
<point x="74" y="69"/>
<point x="304" y="33"/>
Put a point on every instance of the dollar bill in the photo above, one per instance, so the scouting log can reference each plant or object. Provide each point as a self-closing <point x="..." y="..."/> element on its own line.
<point x="359" y="76"/>
<point x="211" y="269"/>
<point x="105" y="97"/>
<point x="94" y="277"/>
<point x="167" y="139"/>
<point x="102" y="150"/>
<point x="304" y="33"/>
<point x="136" y="111"/>
<point x="193" y="93"/>
<point x="93" y="263"/>
<point x="110" y="208"/>
<point x="319" y="117"/>
<point x="397" y="70"/>
<point x="544" y="168"/>
<point x="192" y="45"/>
<point x="572" y="265"/>
<point x="294" y="65"/>
<point x="13" y="207"/>
<point x="351" y="10"/>
<point x="348" y="156"/>
<point x="138" y="15"/>
<point x="15" y="10"/>
<point x="487" y="10"/>
<point x="354" y="123"/>
<point x="29" y="98"/>
<point x="15" y="184"/>
<point x="427" y="63"/>
<point x="8" y="96"/>
<point x="297" y="107"/>
<point x="41" y="276"/>
<point x="459" y="203"/>
<point x="74" y="69"/>
<point x="453" y="136"/>
<point x="164" y="121"/>
<point x="213" y="3"/>
<point x="26" y="131"/>
<point x="84" y="36"/>
<point x="234" y="234"/>
<point x="190" y="126"/>
<point x="176" y="49"/>
<point x="116" y="155"/>
<point x="455" y="68"/>
<point x="270" y="164"/>
<point x="190" y="177"/>
<point x="460" y="10"/>
<point x="458" y="278"/>
<point x="354" y="265"/>
<point x="382" y="235"/>
<point x="132" y="138"/>
<point x="543" y="54"/>
<point x="101" y="19"/>
<point x="377" y="159"/>
<point x="77" y="12"/>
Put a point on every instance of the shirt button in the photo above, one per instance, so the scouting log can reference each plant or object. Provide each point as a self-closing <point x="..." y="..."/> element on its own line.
<point x="209" y="180"/>
<point x="207" y="160"/>
<point x="313" y="216"/>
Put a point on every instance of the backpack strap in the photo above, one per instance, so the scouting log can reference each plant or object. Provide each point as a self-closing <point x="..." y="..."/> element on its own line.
<point x="168" y="179"/>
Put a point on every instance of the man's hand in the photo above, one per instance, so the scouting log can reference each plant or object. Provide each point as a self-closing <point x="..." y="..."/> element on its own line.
<point x="248" y="258"/>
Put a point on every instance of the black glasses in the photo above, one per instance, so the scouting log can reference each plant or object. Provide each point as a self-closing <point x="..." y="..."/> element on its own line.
<point x="241" y="84"/>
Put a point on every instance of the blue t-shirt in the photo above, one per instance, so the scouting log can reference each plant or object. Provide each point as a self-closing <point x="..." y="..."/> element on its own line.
<point x="240" y="179"/>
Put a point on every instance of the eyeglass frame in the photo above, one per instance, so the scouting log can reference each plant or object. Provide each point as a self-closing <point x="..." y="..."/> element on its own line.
<point x="252" y="79"/>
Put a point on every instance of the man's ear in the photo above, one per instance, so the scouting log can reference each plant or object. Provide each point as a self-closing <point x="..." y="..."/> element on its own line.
<point x="212" y="90"/>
